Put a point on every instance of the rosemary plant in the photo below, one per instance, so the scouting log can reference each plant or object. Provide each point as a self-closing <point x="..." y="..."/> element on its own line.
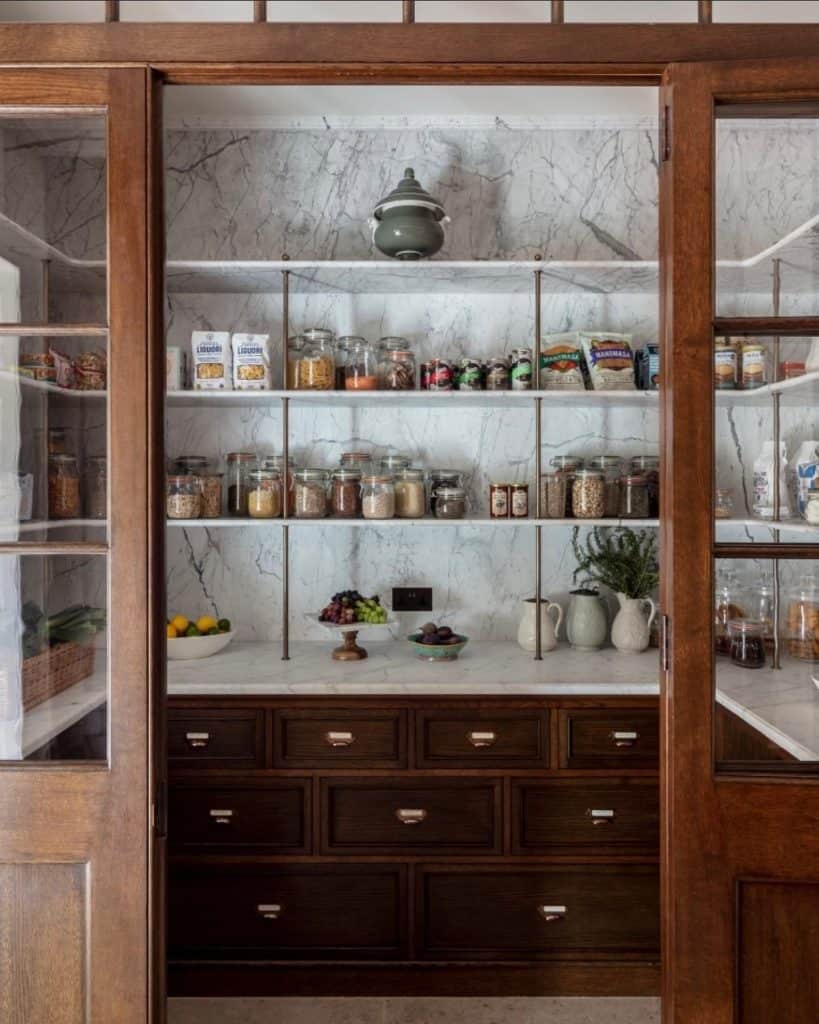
<point x="623" y="560"/>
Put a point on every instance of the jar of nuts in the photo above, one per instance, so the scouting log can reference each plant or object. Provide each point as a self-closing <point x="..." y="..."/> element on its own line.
<point x="310" y="499"/>
<point x="588" y="494"/>
<point x="184" y="497"/>
<point x="63" y="487"/>
<point x="611" y="467"/>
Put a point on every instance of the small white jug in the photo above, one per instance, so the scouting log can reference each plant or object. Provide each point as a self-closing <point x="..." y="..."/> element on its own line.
<point x="549" y="629"/>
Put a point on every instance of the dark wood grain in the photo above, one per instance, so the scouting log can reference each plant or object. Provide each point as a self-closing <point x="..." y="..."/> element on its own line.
<point x="736" y="740"/>
<point x="514" y="739"/>
<point x="224" y="738"/>
<point x="305" y="738"/>
<point x="591" y="739"/>
<point x="766" y="326"/>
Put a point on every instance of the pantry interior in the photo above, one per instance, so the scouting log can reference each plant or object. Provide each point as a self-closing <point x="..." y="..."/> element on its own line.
<point x="285" y="765"/>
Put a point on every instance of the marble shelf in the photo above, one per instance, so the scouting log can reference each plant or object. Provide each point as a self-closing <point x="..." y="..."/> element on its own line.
<point x="49" y="525"/>
<point x="397" y="524"/>
<point x="47" y="720"/>
<point x="797" y="391"/>
<point x="46" y="387"/>
<point x="791" y="526"/>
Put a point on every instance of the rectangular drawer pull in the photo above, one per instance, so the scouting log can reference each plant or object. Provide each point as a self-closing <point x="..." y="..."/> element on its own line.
<point x="600" y="816"/>
<point x="411" y="815"/>
<point x="270" y="911"/>
<point x="479" y="740"/>
<point x="552" y="913"/>
<point x="625" y="738"/>
<point x="221" y="817"/>
<point x="339" y="739"/>
<point x="197" y="739"/>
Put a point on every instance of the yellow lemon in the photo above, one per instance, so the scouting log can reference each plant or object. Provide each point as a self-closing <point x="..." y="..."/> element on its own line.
<point x="172" y="634"/>
<point x="179" y="623"/>
<point x="205" y="623"/>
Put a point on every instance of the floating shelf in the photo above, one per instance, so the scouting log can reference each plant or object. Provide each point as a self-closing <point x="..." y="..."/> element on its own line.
<point x="397" y="524"/>
<point x="796" y="391"/>
<point x="46" y="387"/>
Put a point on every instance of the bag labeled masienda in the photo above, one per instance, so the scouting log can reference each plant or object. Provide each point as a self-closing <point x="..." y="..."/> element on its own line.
<point x="561" y="362"/>
<point x="211" y="360"/>
<point x="610" y="360"/>
<point x="251" y="362"/>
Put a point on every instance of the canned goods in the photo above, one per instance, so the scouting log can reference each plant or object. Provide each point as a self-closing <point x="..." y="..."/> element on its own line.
<point x="497" y="374"/>
<point x="499" y="501"/>
<point x="521" y="369"/>
<point x="469" y="376"/>
<point x="423" y="376"/>
<point x="519" y="501"/>
<point x="440" y="376"/>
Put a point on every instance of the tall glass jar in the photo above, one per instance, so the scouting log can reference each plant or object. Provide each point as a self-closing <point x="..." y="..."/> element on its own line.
<point x="634" y="500"/>
<point x="392" y="464"/>
<point x="761" y="608"/>
<point x="802" y="620"/>
<point x="310" y="499"/>
<point x="275" y="463"/>
<point x="239" y="464"/>
<point x="96" y="487"/>
<point x="183" y="497"/>
<point x="410" y="493"/>
<point x="315" y="364"/>
<point x="345" y="493"/>
<point x="377" y="497"/>
<point x="264" y="494"/>
<point x="342" y="357"/>
<point x="649" y="467"/>
<point x="588" y="494"/>
<point x="295" y="343"/>
<point x="553" y="495"/>
<point x="611" y="467"/>
<point x="568" y="465"/>
<point x="210" y="483"/>
<point x="362" y="461"/>
<point x="362" y="372"/>
<point x="63" y="487"/>
<point x="747" y="643"/>
<point x="730" y="603"/>
<point x="438" y="478"/>
<point x="396" y="370"/>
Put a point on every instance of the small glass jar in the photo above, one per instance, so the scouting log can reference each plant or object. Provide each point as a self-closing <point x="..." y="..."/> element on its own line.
<point x="275" y="463"/>
<point x="611" y="467"/>
<point x="726" y="364"/>
<point x="190" y="465"/>
<point x="389" y="465"/>
<point x="210" y="483"/>
<point x="450" y="503"/>
<point x="342" y="357"/>
<point x="568" y="465"/>
<point x="410" y="494"/>
<point x="310" y="494"/>
<point x="649" y="467"/>
<point x="345" y="493"/>
<point x="802" y="620"/>
<point x="361" y="371"/>
<point x="723" y="503"/>
<point x="438" y="478"/>
<point x="634" y="498"/>
<point x="747" y="643"/>
<point x="588" y="494"/>
<point x="239" y="464"/>
<point x="761" y="608"/>
<point x="264" y="494"/>
<point x="812" y="507"/>
<point x="730" y="603"/>
<point x="295" y="344"/>
<point x="396" y="370"/>
<point x="183" y="498"/>
<point x="553" y="492"/>
<point x="316" y="364"/>
<point x="754" y="370"/>
<point x="362" y="461"/>
<point x="497" y="376"/>
<point x="519" y="501"/>
<point x="96" y="487"/>
<point x="377" y="497"/>
<point x="63" y="487"/>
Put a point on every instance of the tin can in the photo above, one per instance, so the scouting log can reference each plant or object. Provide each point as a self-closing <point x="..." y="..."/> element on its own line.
<point x="499" y="501"/>
<point x="753" y="373"/>
<point x="440" y="376"/>
<point x="520" y="369"/>
<point x="497" y="374"/>
<point x="423" y="376"/>
<point x="469" y="376"/>
<point x="519" y="501"/>
<point x="726" y="364"/>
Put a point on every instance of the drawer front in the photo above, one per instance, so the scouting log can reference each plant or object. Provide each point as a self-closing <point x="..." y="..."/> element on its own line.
<point x="220" y="738"/>
<point x="268" y="817"/>
<point x="609" y="739"/>
<point x="328" y="739"/>
<point x="271" y="912"/>
<point x="562" y="912"/>
<point x="392" y="816"/>
<point x="482" y="738"/>
<point x="573" y="814"/>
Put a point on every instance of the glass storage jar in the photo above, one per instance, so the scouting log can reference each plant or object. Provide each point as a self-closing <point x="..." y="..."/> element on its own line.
<point x="812" y="507"/>
<point x="362" y="461"/>
<point x="310" y="493"/>
<point x="396" y="370"/>
<point x="295" y="343"/>
<point x="450" y="503"/>
<point x="316" y="364"/>
<point x="747" y="643"/>
<point x="361" y="372"/>
<point x="345" y="496"/>
<point x="264" y="494"/>
<point x="410" y="494"/>
<point x="634" y="498"/>
<point x="210" y="483"/>
<point x="275" y="463"/>
<point x="802" y="620"/>
<point x="723" y="503"/>
<point x="730" y="603"/>
<point x="761" y="608"/>
<point x="389" y="465"/>
<point x="611" y="467"/>
<point x="63" y="488"/>
<point x="184" y="498"/>
<point x="239" y="464"/>
<point x="377" y="497"/>
<point x="553" y="495"/>
<point x="649" y="467"/>
<point x="588" y="494"/>
<point x="442" y="478"/>
<point x="96" y="487"/>
<point x="568" y="465"/>
<point x="342" y="357"/>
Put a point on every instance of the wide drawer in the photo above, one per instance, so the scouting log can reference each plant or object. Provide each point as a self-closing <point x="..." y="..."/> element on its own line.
<point x="609" y="739"/>
<point x="574" y="814"/>
<point x="326" y="739"/>
<point x="264" y="816"/>
<point x="494" y="739"/>
<point x="216" y="738"/>
<point x="559" y="912"/>
<point x="395" y="816"/>
<point x="270" y="912"/>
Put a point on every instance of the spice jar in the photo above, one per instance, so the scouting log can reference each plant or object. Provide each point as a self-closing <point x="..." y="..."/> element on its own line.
<point x="568" y="465"/>
<point x="726" y="364"/>
<point x="634" y="498"/>
<point x="410" y="493"/>
<point x="611" y="467"/>
<point x="723" y="503"/>
<point x="553" y="495"/>
<point x="63" y="487"/>
<point x="747" y="643"/>
<point x="497" y="374"/>
<point x="341" y="357"/>
<point x="239" y="464"/>
<point x="519" y="501"/>
<point x="310" y="493"/>
<point x="184" y="498"/>
<point x="729" y="604"/>
<point x="96" y="487"/>
<point x="649" y="467"/>
<point x="295" y="344"/>
<point x="361" y="373"/>
<point x="377" y="497"/>
<point x="362" y="461"/>
<point x="264" y="495"/>
<point x="316" y="364"/>
<point x="391" y="464"/>
<point x="442" y="478"/>
<point x="345" y="493"/>
<point x="588" y="494"/>
<point x="753" y="373"/>
<point x="396" y="370"/>
<point x="802" y="620"/>
<point x="450" y="503"/>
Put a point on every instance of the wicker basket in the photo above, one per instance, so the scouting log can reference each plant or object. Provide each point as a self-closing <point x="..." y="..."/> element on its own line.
<point x="56" y="669"/>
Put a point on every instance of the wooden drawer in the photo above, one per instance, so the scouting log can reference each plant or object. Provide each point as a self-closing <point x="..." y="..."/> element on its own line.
<point x="216" y="738"/>
<point x="477" y="739"/>
<point x="328" y="739"/>
<point x="402" y="816"/>
<point x="275" y="912"/>
<point x="574" y="814"/>
<point x="571" y="912"/>
<point x="609" y="739"/>
<point x="258" y="816"/>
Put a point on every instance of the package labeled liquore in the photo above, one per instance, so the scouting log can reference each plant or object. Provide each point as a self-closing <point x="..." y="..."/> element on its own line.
<point x="211" y="360"/>
<point x="251" y="362"/>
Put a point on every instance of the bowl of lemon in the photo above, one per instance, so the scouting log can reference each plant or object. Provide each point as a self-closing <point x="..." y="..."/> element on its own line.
<point x="197" y="638"/>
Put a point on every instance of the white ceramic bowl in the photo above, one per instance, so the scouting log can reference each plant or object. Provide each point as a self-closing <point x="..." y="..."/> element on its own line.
<point x="183" y="648"/>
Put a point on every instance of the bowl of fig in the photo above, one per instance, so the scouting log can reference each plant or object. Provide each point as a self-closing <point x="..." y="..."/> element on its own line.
<point x="437" y="643"/>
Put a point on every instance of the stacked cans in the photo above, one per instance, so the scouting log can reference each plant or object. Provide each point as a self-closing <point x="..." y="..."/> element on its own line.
<point x="498" y="373"/>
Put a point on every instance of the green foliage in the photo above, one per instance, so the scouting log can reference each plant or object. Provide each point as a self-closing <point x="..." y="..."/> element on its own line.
<point x="623" y="560"/>
<point x="77" y="624"/>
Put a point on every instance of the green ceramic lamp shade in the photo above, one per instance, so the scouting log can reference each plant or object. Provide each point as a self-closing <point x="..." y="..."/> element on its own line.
<point x="407" y="223"/>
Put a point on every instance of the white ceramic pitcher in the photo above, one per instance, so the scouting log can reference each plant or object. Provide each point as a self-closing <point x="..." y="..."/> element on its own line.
<point x="549" y="628"/>
<point x="630" y="631"/>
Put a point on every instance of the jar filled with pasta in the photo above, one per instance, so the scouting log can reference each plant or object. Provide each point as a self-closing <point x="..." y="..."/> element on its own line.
<point x="316" y="364"/>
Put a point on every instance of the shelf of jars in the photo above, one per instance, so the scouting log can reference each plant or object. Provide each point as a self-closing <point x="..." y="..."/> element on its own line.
<point x="425" y="522"/>
<point x="49" y="388"/>
<point x="48" y="525"/>
<point x="795" y="391"/>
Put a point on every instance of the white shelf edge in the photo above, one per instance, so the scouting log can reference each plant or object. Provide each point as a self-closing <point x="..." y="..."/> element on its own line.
<point x="411" y="523"/>
<point x="230" y="396"/>
<point x="785" y="525"/>
<point x="35" y="525"/>
<point x="49" y="388"/>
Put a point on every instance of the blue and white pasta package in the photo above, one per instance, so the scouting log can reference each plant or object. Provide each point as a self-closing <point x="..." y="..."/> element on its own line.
<point x="609" y="360"/>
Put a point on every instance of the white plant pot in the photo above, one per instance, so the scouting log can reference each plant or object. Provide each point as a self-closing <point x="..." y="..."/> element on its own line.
<point x="631" y="631"/>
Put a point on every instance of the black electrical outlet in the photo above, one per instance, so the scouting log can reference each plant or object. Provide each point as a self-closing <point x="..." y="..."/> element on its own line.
<point x="412" y="599"/>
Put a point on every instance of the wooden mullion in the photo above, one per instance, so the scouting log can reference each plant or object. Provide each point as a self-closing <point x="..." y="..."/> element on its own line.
<point x="259" y="10"/>
<point x="112" y="10"/>
<point x="557" y="12"/>
<point x="705" y="12"/>
<point x="793" y="326"/>
<point x="408" y="12"/>
<point x="783" y="552"/>
<point x="54" y="330"/>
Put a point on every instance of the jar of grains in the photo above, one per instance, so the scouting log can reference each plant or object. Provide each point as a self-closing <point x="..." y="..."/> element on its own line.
<point x="396" y="370"/>
<point x="210" y="484"/>
<point x="389" y="465"/>
<point x="345" y="493"/>
<point x="588" y="494"/>
<point x="295" y="344"/>
<point x="553" y="492"/>
<point x="184" y="498"/>
<point x="568" y="465"/>
<point x="362" y="461"/>
<point x="634" y="498"/>
<point x="649" y="467"/>
<point x="264" y="494"/>
<point x="275" y="463"/>
<point x="611" y="467"/>
<point x="239" y="465"/>
<point x="310" y="493"/>
<point x="450" y="503"/>
<point x="96" y="487"/>
<point x="377" y="497"/>
<point x="410" y="493"/>
<point x="63" y="487"/>
<point x="316" y="364"/>
<point x="747" y="637"/>
<point x="361" y="373"/>
<point x="442" y="478"/>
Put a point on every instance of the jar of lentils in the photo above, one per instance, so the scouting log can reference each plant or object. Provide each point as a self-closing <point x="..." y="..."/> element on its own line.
<point x="568" y="465"/>
<point x="634" y="501"/>
<point x="310" y="493"/>
<point x="264" y="496"/>
<point x="239" y="464"/>
<point x="377" y="497"/>
<point x="588" y="494"/>
<point x="345" y="493"/>
<point x="410" y="494"/>
<point x="184" y="498"/>
<point x="611" y="467"/>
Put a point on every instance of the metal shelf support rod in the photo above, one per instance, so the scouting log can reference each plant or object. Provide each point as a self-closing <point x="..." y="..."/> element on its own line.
<point x="285" y="470"/>
<point x="777" y="431"/>
<point x="538" y="440"/>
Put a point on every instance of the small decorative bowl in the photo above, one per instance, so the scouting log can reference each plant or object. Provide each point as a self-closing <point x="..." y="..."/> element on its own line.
<point x="437" y="652"/>
<point x="185" y="648"/>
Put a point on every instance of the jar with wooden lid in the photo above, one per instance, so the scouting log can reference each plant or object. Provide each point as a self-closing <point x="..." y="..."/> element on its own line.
<point x="345" y="493"/>
<point x="634" y="498"/>
<point x="264" y="494"/>
<point x="611" y="466"/>
<point x="377" y="497"/>
<point x="588" y="494"/>
<point x="63" y="487"/>
<point x="239" y="465"/>
<point x="183" y="497"/>
<point x="410" y="493"/>
<point x="310" y="500"/>
<point x="96" y="487"/>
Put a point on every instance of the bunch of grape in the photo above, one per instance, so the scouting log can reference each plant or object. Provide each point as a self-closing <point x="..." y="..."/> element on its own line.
<point x="348" y="606"/>
<point x="370" y="610"/>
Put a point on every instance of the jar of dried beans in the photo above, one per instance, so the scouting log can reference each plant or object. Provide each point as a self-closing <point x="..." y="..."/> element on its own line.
<point x="410" y="494"/>
<point x="345" y="499"/>
<point x="588" y="494"/>
<point x="310" y="499"/>
<point x="611" y="467"/>
<point x="63" y="487"/>
<point x="377" y="497"/>
<point x="184" y="498"/>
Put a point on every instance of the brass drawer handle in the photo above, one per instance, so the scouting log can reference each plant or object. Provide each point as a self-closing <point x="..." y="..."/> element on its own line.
<point x="552" y="913"/>
<point x="480" y="740"/>
<point x="600" y="816"/>
<point x="221" y="817"/>
<point x="625" y="738"/>
<point x="197" y="740"/>
<point x="339" y="739"/>
<point x="270" y="911"/>
<point x="411" y="815"/>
